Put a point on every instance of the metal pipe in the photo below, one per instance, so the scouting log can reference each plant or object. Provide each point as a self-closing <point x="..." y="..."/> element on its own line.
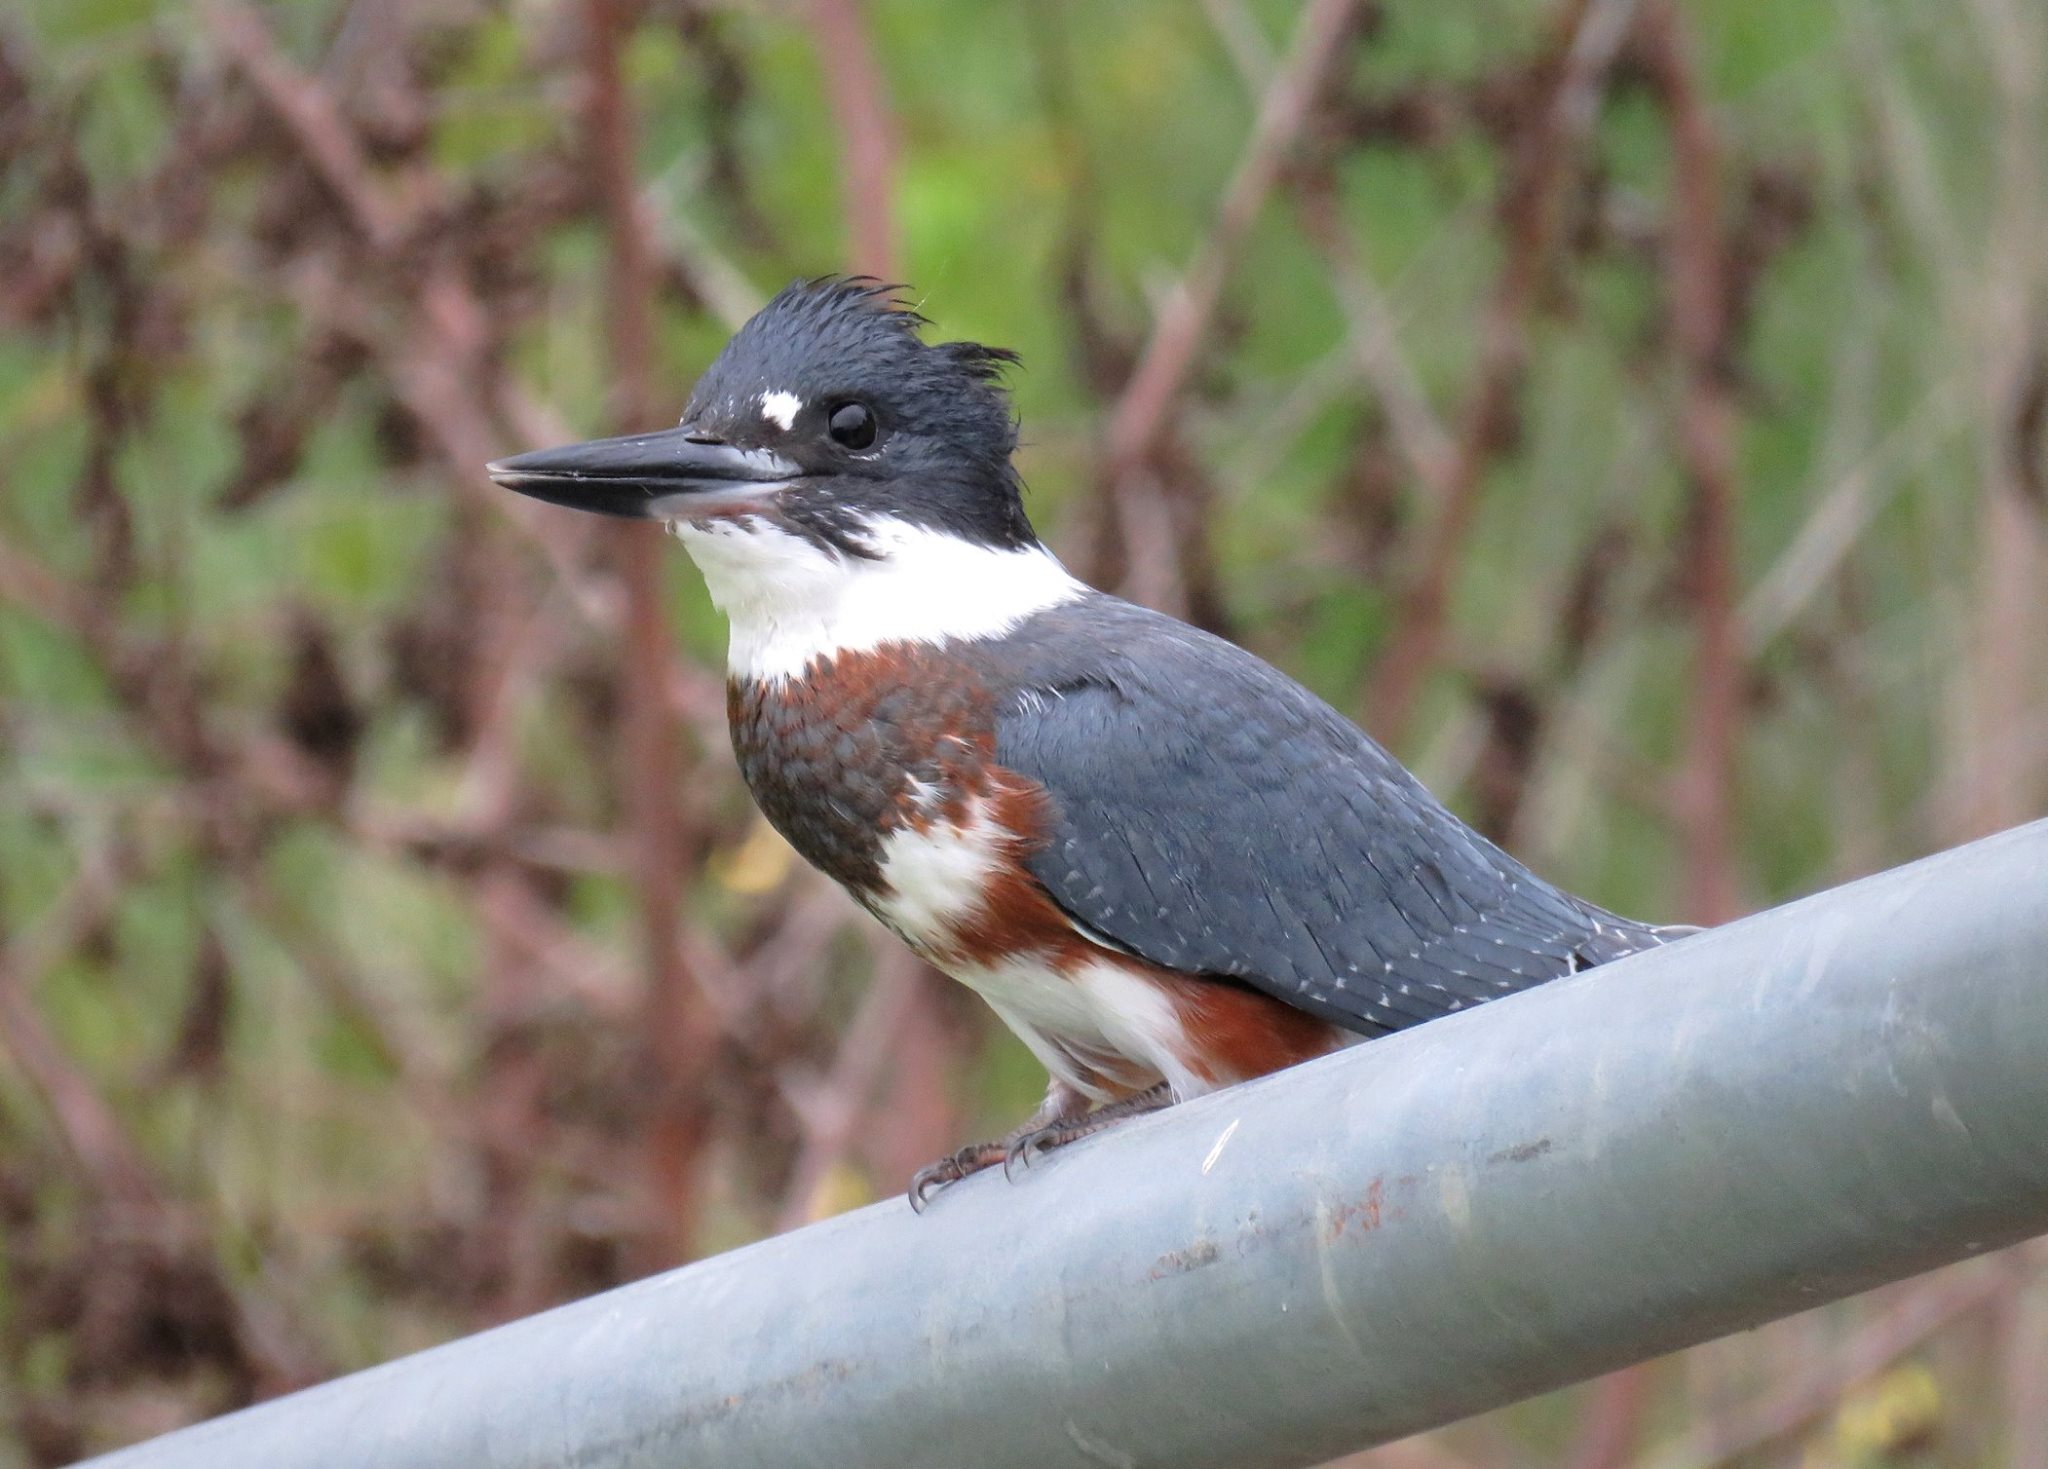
<point x="1796" y="1107"/>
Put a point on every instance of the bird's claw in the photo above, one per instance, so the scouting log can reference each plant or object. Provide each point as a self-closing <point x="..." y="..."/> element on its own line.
<point x="1029" y="1143"/>
<point x="1019" y="1150"/>
<point x="1027" y="1147"/>
<point x="929" y="1179"/>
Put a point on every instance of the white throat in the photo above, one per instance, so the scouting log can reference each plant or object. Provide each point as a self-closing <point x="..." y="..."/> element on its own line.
<point x="791" y="601"/>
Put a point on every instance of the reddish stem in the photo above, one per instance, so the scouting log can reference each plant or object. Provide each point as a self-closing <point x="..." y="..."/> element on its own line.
<point x="1697" y="290"/>
<point x="651" y="774"/>
<point x="1591" y="32"/>
<point x="860" y="110"/>
<point x="1169" y="357"/>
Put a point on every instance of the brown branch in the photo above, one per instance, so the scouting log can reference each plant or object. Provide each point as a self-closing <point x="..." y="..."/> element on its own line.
<point x="1424" y="442"/>
<point x="867" y="128"/>
<point x="2025" y="1333"/>
<point x="336" y="982"/>
<point x="34" y="588"/>
<point x="1609" y="1429"/>
<point x="138" y="1214"/>
<point x="260" y="778"/>
<point x="107" y="1156"/>
<point x="434" y="842"/>
<point x="1919" y="1310"/>
<point x="438" y="363"/>
<point x="1424" y="1451"/>
<point x="1532" y="214"/>
<point x="1148" y="532"/>
<point x="1998" y="781"/>
<point x="677" y="1030"/>
<point x="1163" y="369"/>
<point x="308" y="111"/>
<point x="1697" y="302"/>
<point x="835" y="1116"/>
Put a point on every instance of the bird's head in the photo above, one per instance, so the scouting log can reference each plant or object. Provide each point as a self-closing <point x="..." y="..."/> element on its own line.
<point x="842" y="485"/>
<point x="825" y="416"/>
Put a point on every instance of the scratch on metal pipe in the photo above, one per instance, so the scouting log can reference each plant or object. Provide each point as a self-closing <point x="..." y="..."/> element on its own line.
<point x="1333" y="1298"/>
<point x="1454" y="1195"/>
<point x="1107" y="1455"/>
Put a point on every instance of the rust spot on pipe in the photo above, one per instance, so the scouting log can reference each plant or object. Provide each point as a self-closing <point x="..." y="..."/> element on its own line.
<point x="1365" y="1214"/>
<point x="1180" y="1262"/>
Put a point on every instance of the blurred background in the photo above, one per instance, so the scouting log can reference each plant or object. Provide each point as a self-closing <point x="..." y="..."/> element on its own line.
<point x="1632" y="411"/>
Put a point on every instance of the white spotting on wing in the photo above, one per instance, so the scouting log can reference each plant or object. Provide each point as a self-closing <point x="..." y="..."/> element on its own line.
<point x="781" y="408"/>
<point x="791" y="601"/>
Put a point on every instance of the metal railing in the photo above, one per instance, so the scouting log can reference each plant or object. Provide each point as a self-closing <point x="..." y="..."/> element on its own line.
<point x="1796" y="1107"/>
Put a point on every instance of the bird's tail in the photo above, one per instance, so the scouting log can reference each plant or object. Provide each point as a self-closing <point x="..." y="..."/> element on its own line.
<point x="1609" y="936"/>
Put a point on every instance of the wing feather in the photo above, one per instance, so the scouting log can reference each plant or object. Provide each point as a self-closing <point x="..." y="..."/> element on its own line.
<point x="1215" y="817"/>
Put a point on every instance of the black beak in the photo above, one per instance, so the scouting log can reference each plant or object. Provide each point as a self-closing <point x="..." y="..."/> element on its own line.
<point x="645" y="476"/>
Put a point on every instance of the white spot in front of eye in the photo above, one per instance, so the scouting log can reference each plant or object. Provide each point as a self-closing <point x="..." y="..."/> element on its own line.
<point x="781" y="408"/>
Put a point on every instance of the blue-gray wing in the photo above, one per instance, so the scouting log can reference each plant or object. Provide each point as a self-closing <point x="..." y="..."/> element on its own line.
<point x="1215" y="817"/>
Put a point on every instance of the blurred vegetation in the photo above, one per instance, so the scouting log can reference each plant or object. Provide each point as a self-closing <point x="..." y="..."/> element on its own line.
<point x="1632" y="412"/>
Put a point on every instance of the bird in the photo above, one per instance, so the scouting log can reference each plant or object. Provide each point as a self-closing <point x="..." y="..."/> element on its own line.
<point x="1166" y="865"/>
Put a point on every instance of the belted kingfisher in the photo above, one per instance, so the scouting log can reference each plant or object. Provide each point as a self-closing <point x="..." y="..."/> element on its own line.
<point x="1166" y="865"/>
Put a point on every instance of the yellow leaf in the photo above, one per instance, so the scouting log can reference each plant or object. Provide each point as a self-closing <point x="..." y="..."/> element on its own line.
<point x="758" y="865"/>
<point x="843" y="1187"/>
<point x="1900" y="1410"/>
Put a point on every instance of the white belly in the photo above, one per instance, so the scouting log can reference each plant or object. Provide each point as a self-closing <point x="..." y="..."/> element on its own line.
<point x="1095" y="1023"/>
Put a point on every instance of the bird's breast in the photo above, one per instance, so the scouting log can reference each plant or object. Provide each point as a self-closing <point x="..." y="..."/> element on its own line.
<point x="879" y="768"/>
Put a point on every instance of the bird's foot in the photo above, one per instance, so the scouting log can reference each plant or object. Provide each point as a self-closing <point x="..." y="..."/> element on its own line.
<point x="1054" y="1125"/>
<point x="929" y="1179"/>
<point x="1030" y="1142"/>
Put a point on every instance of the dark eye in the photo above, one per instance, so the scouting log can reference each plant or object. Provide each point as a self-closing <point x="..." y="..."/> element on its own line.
<point x="853" y="425"/>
